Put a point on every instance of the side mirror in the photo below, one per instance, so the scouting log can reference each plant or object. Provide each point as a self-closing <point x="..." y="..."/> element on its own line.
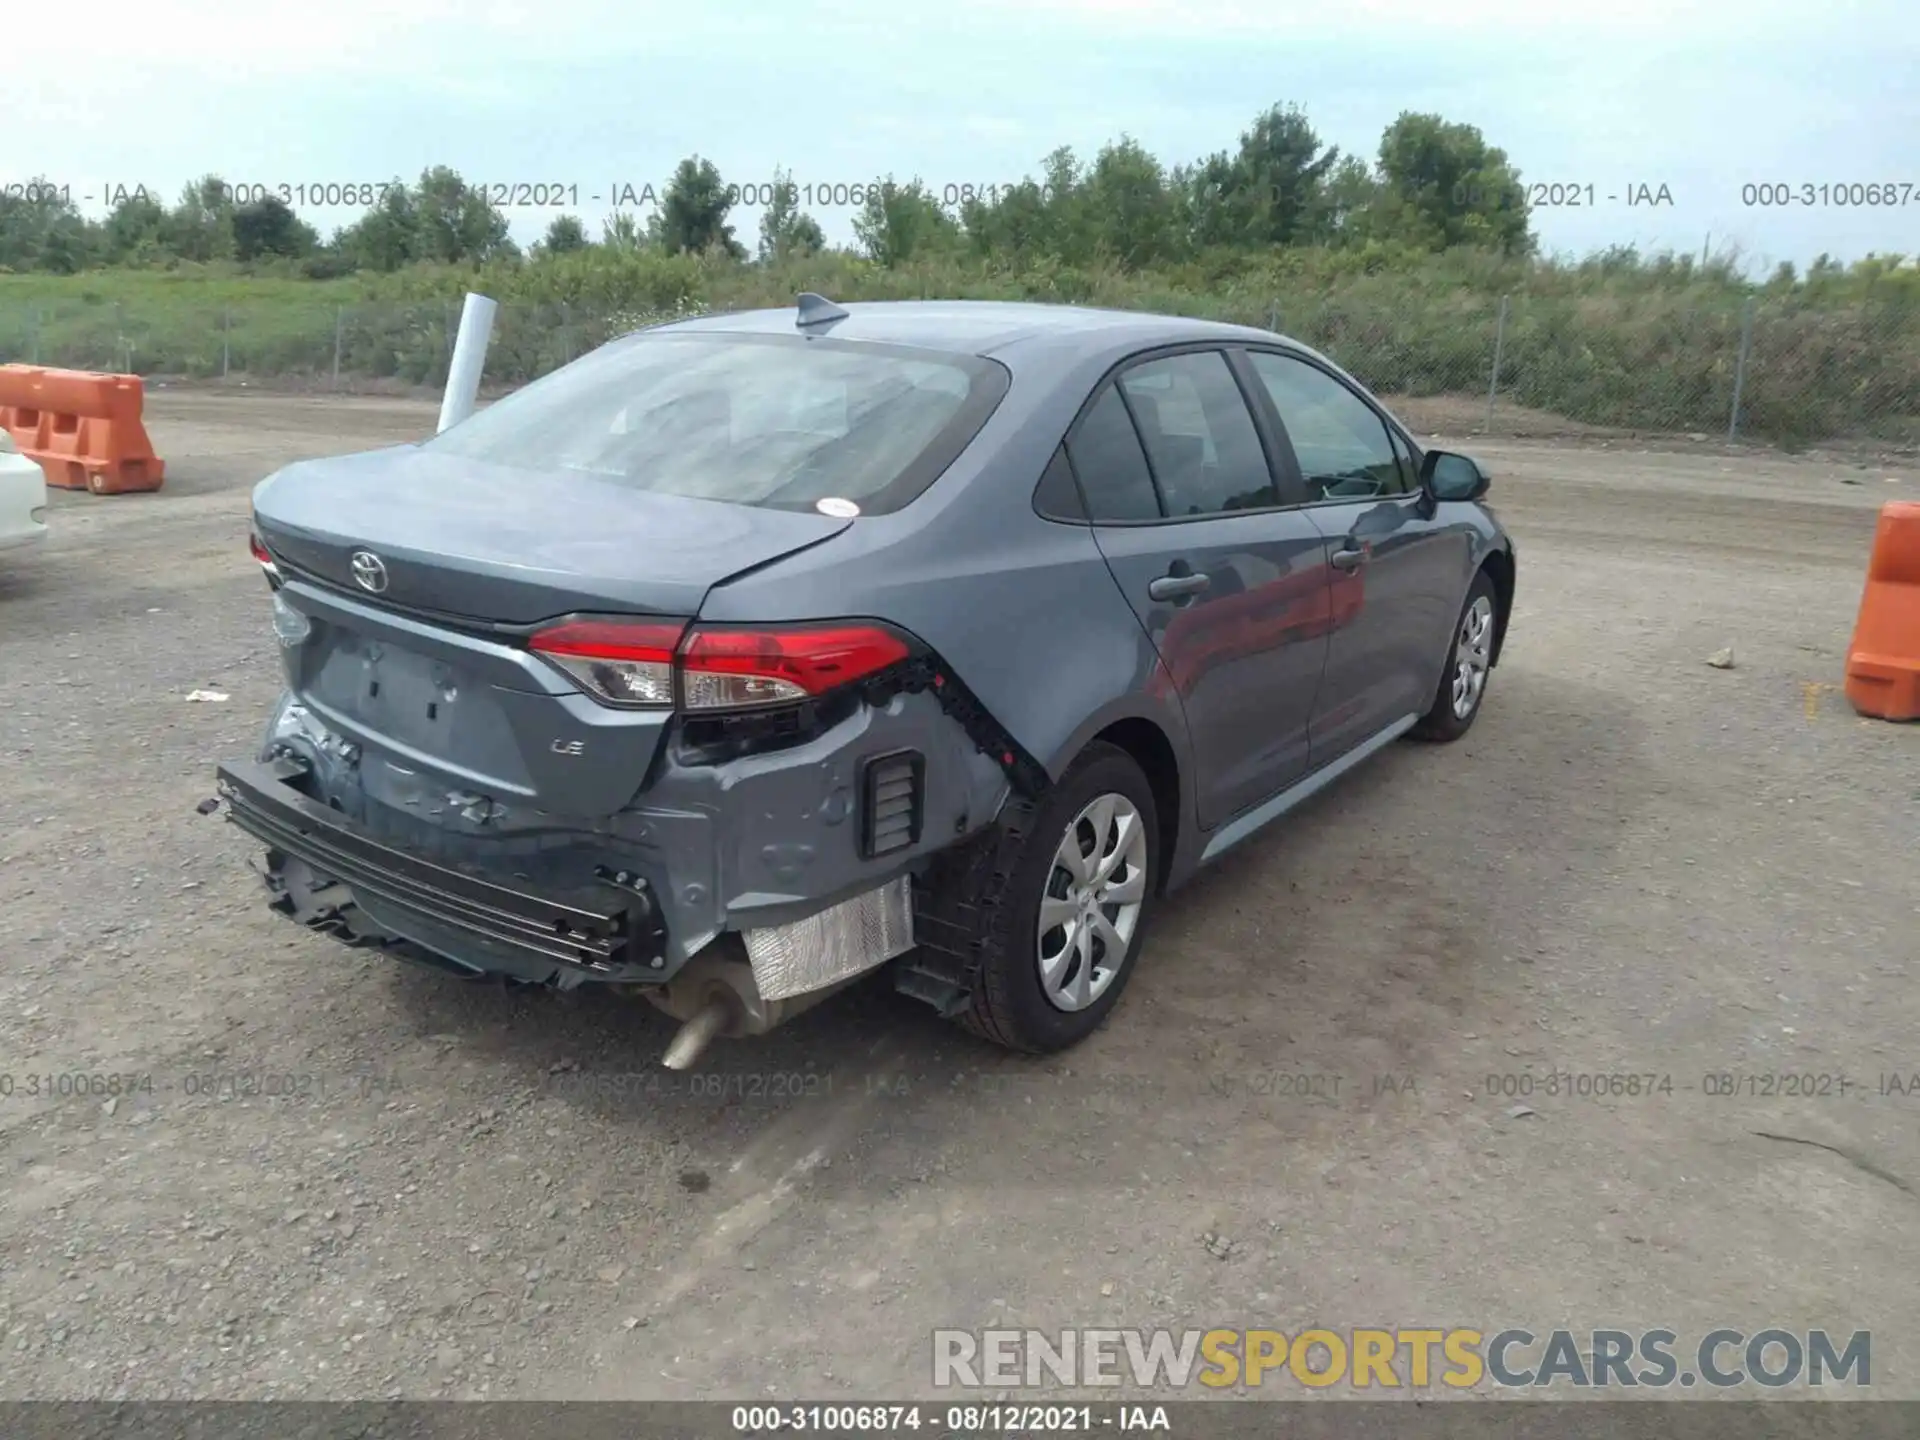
<point x="1447" y="476"/>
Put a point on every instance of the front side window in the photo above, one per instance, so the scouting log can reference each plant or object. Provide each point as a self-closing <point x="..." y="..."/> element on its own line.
<point x="778" y="423"/>
<point x="1340" y="442"/>
<point x="1403" y="457"/>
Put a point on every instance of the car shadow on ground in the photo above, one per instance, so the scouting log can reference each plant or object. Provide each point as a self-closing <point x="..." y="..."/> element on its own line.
<point x="1360" y="935"/>
<point x="22" y="576"/>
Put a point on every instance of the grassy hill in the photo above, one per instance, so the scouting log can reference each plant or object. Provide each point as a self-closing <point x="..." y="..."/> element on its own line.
<point x="1614" y="340"/>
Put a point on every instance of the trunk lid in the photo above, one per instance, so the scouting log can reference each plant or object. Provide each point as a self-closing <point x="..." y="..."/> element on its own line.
<point x="508" y="546"/>
<point x="429" y="671"/>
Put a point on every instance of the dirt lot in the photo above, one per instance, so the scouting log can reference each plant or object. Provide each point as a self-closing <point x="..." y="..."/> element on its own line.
<point x="1637" y="863"/>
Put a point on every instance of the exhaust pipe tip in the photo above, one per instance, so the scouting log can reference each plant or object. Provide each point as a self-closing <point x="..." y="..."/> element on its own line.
<point x="696" y="1034"/>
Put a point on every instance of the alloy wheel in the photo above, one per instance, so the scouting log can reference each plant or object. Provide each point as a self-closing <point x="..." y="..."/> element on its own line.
<point x="1091" y="905"/>
<point x="1472" y="656"/>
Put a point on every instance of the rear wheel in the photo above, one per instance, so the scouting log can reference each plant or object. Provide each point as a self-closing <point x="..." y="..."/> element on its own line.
<point x="1463" y="681"/>
<point x="1061" y="943"/>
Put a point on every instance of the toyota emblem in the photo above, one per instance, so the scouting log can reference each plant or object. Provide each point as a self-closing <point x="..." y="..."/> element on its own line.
<point x="369" y="571"/>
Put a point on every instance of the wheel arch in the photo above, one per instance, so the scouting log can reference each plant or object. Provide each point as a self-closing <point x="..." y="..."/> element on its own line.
<point x="1498" y="567"/>
<point x="1152" y="750"/>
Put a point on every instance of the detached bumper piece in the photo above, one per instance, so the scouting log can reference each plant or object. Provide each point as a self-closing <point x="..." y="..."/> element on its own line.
<point x="481" y="925"/>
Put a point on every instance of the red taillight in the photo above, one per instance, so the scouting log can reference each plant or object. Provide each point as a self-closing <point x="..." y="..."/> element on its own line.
<point x="647" y="641"/>
<point x="625" y="662"/>
<point x="726" y="668"/>
<point x="261" y="553"/>
<point x="729" y="669"/>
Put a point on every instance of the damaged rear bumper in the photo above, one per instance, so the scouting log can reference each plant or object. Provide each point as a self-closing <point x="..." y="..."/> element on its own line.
<point x="338" y="876"/>
<point x="313" y="851"/>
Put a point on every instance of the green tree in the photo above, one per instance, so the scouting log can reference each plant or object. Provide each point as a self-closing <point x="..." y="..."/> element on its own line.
<point x="1443" y="185"/>
<point x="1284" y="165"/>
<point x="268" y="227"/>
<point x="135" y="232"/>
<point x="1071" y="229"/>
<point x="786" y="231"/>
<point x="69" y="243"/>
<point x="1344" y="211"/>
<point x="387" y="236"/>
<point x="1133" y="215"/>
<point x="1213" y="195"/>
<point x="41" y="230"/>
<point x="1048" y="217"/>
<point x="565" y="234"/>
<point x="455" y="224"/>
<point x="1014" y="225"/>
<point x="1268" y="192"/>
<point x="693" y="211"/>
<point x="621" y="231"/>
<point x="20" y="231"/>
<point x="200" y="226"/>
<point x="899" y="222"/>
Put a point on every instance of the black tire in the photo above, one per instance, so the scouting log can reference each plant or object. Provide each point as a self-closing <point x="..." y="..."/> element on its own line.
<point x="1008" y="1004"/>
<point x="1443" y="722"/>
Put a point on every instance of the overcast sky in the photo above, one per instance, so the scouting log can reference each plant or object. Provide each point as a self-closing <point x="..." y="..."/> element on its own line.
<point x="1700" y="98"/>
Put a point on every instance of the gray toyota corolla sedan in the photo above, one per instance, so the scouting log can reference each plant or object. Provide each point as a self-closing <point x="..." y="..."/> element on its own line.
<point x="747" y="655"/>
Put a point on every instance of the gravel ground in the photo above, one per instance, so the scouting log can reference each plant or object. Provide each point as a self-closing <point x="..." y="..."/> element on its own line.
<point x="330" y="1176"/>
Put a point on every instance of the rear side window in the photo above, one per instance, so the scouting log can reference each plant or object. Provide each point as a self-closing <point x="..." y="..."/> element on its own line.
<point x="1200" y="438"/>
<point x="773" y="421"/>
<point x="1106" y="455"/>
<point x="1057" y="497"/>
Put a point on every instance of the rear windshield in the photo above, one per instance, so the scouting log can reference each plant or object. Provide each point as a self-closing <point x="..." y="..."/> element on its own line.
<point x="775" y="421"/>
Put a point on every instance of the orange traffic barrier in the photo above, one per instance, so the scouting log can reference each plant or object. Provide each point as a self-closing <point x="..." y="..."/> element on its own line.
<point x="83" y="428"/>
<point x="1883" y="663"/>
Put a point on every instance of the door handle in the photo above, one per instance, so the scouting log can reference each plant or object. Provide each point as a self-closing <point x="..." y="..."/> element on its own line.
<point x="1349" y="559"/>
<point x="1177" y="587"/>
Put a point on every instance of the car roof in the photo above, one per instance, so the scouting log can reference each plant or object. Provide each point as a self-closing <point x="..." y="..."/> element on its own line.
<point x="982" y="327"/>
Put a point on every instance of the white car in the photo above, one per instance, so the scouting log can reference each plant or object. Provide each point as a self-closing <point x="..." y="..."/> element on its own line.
<point x="23" y="497"/>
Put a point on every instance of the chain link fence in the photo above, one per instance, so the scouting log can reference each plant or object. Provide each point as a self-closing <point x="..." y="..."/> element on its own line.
<point x="1756" y="369"/>
<point x="1766" y="369"/>
<point x="343" y="347"/>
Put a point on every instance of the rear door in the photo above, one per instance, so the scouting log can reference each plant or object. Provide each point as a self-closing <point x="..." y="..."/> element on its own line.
<point x="1231" y="586"/>
<point x="1395" y="568"/>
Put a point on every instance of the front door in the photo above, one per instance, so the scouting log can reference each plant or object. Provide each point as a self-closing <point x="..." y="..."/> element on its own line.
<point x="1397" y="569"/>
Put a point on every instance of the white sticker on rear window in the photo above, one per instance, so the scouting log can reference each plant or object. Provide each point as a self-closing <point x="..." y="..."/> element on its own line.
<point x="833" y="505"/>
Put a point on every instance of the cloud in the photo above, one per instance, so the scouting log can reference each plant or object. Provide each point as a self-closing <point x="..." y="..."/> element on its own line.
<point x="1702" y="96"/>
<point x="1353" y="20"/>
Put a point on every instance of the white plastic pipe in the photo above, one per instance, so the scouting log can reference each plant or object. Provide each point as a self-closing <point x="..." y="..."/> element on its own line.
<point x="469" y="359"/>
